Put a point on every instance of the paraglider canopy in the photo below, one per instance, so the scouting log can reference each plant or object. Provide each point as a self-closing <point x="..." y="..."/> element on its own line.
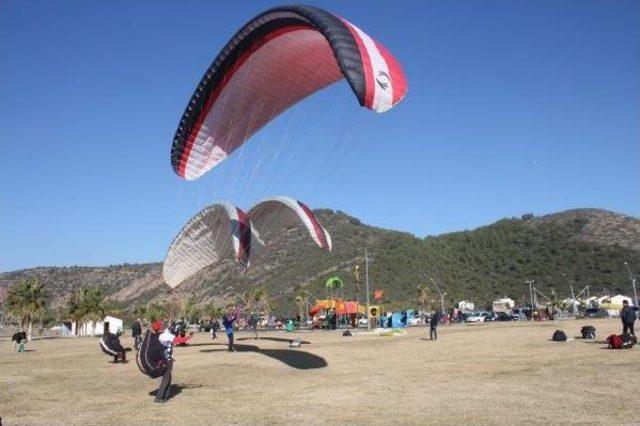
<point x="220" y="231"/>
<point x="274" y="215"/>
<point x="223" y="231"/>
<point x="276" y="59"/>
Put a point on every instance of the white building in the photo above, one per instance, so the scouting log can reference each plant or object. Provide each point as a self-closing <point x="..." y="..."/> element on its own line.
<point x="466" y="306"/>
<point x="116" y="326"/>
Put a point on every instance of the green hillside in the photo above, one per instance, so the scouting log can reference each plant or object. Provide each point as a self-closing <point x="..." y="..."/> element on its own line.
<point x="578" y="247"/>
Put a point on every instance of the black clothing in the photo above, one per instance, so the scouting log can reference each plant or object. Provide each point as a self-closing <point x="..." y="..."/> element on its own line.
<point x="136" y="329"/>
<point x="433" y="327"/>
<point x="136" y="333"/>
<point x="165" y="383"/>
<point x="627" y="328"/>
<point x="627" y="315"/>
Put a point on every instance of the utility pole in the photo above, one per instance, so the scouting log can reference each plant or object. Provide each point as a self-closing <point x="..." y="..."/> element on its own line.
<point x="573" y="302"/>
<point x="440" y="293"/>
<point x="366" y="283"/>
<point x="530" y="282"/>
<point x="633" y="284"/>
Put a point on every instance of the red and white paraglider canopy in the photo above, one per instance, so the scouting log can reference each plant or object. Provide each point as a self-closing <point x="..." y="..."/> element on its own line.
<point x="277" y="59"/>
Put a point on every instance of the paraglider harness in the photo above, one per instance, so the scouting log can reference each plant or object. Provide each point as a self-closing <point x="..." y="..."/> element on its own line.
<point x="588" y="332"/>
<point x="621" y="341"/>
<point x="110" y="345"/>
<point x="559" y="336"/>
<point x="151" y="357"/>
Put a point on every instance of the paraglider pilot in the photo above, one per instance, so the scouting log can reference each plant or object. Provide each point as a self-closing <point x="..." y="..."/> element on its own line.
<point x="166" y="339"/>
<point x="136" y="333"/>
<point x="227" y="322"/>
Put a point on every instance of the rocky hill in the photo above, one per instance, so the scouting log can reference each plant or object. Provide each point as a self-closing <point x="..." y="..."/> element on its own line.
<point x="576" y="247"/>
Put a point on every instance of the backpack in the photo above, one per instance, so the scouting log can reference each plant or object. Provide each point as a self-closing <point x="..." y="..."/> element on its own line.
<point x="588" y="332"/>
<point x="614" y="341"/>
<point x="628" y="340"/>
<point x="559" y="336"/>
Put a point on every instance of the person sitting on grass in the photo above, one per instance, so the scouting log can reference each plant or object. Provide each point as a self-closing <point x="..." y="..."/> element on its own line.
<point x="227" y="322"/>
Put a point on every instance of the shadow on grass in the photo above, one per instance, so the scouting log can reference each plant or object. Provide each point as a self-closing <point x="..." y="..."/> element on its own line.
<point x="204" y="344"/>
<point x="299" y="360"/>
<point x="175" y="389"/>
<point x="274" y="339"/>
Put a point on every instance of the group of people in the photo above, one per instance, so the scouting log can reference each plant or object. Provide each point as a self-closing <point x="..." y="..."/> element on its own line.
<point x="171" y="336"/>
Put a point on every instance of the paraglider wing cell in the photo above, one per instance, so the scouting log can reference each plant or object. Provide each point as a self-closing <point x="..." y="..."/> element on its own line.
<point x="220" y="231"/>
<point x="277" y="59"/>
<point x="273" y="216"/>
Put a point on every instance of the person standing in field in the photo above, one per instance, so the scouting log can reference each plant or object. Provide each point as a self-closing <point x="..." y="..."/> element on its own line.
<point x="433" y="326"/>
<point x="136" y="333"/>
<point x="253" y="325"/>
<point x="227" y="322"/>
<point x="214" y="328"/>
<point x="628" y="317"/>
<point x="166" y="340"/>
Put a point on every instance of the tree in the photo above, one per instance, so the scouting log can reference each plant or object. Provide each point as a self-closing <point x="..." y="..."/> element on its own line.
<point x="95" y="306"/>
<point x="75" y="309"/>
<point x="555" y="304"/>
<point x="155" y="311"/>
<point x="424" y="296"/>
<point x="140" y="311"/>
<point x="189" y="309"/>
<point x="300" y="303"/>
<point x="26" y="300"/>
<point x="213" y="311"/>
<point x="88" y="304"/>
<point x="253" y="297"/>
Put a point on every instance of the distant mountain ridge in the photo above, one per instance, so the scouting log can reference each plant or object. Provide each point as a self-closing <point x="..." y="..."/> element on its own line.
<point x="575" y="247"/>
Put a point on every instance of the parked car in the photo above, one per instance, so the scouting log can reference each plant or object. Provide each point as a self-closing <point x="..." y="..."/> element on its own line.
<point x="503" y="316"/>
<point x="596" y="313"/>
<point x="415" y="321"/>
<point x="488" y="316"/>
<point x="475" y="317"/>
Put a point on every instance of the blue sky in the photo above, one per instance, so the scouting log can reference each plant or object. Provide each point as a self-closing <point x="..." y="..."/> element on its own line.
<point x="513" y="107"/>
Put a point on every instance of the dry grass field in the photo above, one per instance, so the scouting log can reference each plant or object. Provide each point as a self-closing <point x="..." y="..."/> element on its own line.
<point x="475" y="374"/>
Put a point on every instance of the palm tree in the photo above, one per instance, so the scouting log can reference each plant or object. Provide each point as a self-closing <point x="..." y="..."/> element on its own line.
<point x="356" y="280"/>
<point x="424" y="296"/>
<point x="300" y="302"/>
<point x="26" y="300"/>
<point x="75" y="309"/>
<point x="554" y="305"/>
<point x="188" y="309"/>
<point x="95" y="306"/>
<point x="140" y="311"/>
<point x="212" y="310"/>
<point x="253" y="297"/>
<point x="155" y="311"/>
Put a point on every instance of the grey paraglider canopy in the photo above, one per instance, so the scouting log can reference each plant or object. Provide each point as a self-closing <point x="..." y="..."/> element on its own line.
<point x="220" y="231"/>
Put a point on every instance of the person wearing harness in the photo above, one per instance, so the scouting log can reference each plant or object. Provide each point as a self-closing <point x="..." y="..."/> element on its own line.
<point x="136" y="333"/>
<point x="227" y="322"/>
<point x="166" y="339"/>
<point x="628" y="317"/>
